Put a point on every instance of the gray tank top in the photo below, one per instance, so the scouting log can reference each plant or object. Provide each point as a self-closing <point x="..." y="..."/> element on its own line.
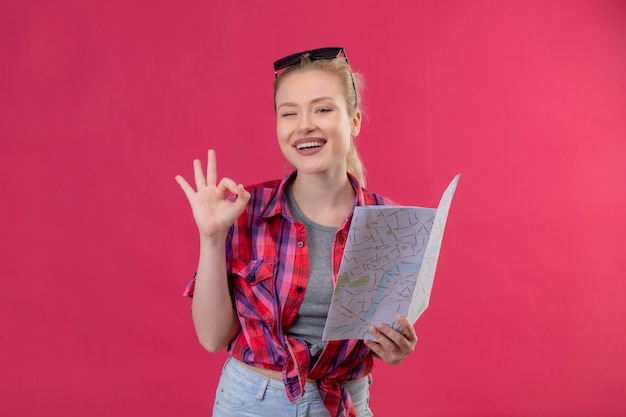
<point x="310" y="320"/>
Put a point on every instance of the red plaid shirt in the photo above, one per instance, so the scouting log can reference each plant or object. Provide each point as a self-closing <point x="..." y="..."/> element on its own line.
<point x="268" y="271"/>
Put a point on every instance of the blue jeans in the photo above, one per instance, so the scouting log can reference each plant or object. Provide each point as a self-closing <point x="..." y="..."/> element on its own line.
<point x="241" y="392"/>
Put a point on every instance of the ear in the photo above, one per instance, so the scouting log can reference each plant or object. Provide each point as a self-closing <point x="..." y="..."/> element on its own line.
<point x="356" y="124"/>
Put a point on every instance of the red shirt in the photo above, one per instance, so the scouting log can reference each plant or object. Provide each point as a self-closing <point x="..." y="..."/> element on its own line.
<point x="268" y="271"/>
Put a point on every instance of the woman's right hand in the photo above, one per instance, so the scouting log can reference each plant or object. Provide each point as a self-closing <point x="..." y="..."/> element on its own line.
<point x="213" y="212"/>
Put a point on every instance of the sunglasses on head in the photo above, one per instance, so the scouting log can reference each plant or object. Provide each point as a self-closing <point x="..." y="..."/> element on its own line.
<point x="314" y="55"/>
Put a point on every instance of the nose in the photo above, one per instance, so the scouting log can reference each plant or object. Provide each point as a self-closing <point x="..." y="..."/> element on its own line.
<point x="306" y="123"/>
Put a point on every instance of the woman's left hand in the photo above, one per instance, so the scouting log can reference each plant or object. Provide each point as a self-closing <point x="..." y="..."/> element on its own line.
<point x="392" y="346"/>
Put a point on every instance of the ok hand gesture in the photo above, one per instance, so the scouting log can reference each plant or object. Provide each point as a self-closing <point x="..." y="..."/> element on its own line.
<point x="212" y="211"/>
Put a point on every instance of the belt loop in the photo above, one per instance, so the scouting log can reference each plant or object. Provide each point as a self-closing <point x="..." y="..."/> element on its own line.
<point x="262" y="388"/>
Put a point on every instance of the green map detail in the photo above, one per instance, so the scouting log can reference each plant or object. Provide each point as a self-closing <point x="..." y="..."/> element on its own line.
<point x="343" y="281"/>
<point x="361" y="282"/>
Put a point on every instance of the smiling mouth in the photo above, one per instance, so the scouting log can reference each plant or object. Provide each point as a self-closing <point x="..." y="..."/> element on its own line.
<point x="310" y="145"/>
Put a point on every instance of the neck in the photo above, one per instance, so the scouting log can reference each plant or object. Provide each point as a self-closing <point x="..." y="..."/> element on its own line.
<point x="324" y="200"/>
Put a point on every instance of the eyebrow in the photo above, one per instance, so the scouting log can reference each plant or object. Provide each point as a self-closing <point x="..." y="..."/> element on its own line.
<point x="314" y="101"/>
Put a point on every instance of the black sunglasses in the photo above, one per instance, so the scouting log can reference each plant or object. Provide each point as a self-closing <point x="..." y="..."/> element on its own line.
<point x="314" y="54"/>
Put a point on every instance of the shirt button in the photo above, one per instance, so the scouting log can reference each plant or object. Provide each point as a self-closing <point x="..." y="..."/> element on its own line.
<point x="299" y="289"/>
<point x="300" y="244"/>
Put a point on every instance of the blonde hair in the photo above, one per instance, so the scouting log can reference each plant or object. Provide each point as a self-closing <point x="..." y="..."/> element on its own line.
<point x="342" y="70"/>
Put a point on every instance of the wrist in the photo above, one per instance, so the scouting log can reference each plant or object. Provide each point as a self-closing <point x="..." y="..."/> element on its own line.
<point x="217" y="239"/>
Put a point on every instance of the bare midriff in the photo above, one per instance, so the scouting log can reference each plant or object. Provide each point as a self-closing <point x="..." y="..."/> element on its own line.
<point x="270" y="373"/>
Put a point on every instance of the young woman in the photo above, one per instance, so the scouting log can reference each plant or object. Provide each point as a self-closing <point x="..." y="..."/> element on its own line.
<point x="269" y="257"/>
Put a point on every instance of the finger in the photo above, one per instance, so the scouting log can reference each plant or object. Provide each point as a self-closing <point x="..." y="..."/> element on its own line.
<point x="198" y="174"/>
<point x="395" y="341"/>
<point x="409" y="331"/>
<point x="226" y="184"/>
<point x="384" y="340"/>
<point x="243" y="196"/>
<point x="404" y="339"/>
<point x="211" y="168"/>
<point x="375" y="348"/>
<point x="388" y="332"/>
<point x="386" y="350"/>
<point x="391" y="355"/>
<point x="187" y="189"/>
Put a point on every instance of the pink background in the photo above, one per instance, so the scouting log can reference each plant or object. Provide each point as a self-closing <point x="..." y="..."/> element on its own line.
<point x="103" y="102"/>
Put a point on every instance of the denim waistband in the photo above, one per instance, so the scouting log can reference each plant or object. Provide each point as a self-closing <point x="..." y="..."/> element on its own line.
<point x="252" y="380"/>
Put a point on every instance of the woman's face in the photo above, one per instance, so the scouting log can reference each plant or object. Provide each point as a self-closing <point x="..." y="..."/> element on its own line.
<point x="313" y="126"/>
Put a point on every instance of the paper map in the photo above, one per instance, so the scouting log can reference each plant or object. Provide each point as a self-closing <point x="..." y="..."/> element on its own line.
<point x="388" y="267"/>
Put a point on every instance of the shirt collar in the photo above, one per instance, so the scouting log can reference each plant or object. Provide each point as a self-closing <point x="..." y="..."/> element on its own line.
<point x="277" y="203"/>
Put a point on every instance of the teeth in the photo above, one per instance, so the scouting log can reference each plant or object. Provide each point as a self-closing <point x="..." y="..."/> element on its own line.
<point x="309" y="145"/>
